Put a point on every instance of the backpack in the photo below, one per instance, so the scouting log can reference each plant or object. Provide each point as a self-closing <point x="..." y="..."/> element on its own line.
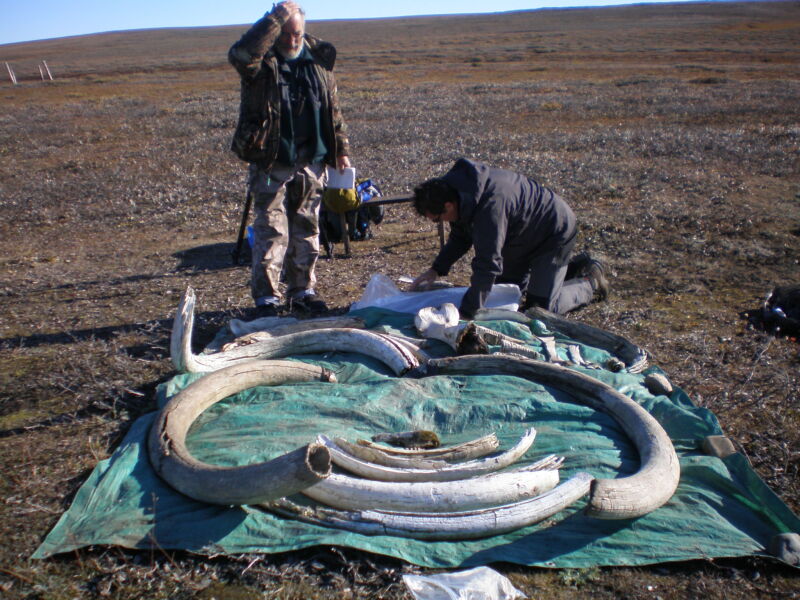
<point x="358" y="220"/>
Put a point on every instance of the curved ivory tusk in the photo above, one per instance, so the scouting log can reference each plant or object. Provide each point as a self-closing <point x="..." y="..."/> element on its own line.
<point x="458" y="453"/>
<point x="450" y="472"/>
<point x="351" y="493"/>
<point x="249" y="484"/>
<point x="394" y="355"/>
<point x="294" y="326"/>
<point x="444" y="526"/>
<point x="623" y="498"/>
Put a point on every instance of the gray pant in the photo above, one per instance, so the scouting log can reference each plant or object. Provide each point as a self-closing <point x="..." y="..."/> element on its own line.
<point x="546" y="286"/>
<point x="542" y="278"/>
<point x="286" y="228"/>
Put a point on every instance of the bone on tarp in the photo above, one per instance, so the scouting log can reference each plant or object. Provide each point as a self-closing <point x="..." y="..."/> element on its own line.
<point x="623" y="498"/>
<point x="394" y="354"/>
<point x="249" y="484"/>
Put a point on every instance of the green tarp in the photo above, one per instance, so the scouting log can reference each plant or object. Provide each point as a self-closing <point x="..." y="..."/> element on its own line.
<point x="721" y="508"/>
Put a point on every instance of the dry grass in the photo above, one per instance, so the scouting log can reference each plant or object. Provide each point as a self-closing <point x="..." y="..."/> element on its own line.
<point x="674" y="131"/>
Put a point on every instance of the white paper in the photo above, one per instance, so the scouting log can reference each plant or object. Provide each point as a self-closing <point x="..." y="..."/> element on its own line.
<point x="381" y="292"/>
<point x="344" y="180"/>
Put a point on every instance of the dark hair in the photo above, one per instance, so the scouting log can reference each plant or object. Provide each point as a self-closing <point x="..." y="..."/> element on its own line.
<point x="430" y="196"/>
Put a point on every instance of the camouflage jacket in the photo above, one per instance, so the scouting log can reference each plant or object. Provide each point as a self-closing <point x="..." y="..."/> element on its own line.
<point x="257" y="135"/>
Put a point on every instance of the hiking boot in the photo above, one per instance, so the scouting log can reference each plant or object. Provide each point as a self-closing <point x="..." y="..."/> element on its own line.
<point x="596" y="274"/>
<point x="309" y="303"/>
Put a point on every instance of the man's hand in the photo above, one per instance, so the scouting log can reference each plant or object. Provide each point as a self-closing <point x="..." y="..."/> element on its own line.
<point x="427" y="278"/>
<point x="342" y="163"/>
<point x="285" y="10"/>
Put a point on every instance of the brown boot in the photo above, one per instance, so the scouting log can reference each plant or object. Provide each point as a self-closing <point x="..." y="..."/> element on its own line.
<point x="596" y="273"/>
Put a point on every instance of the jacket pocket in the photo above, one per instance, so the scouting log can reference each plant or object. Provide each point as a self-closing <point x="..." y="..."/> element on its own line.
<point x="251" y="141"/>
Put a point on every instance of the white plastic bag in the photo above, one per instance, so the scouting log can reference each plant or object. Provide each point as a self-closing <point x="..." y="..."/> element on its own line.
<point x="481" y="583"/>
<point x="381" y="292"/>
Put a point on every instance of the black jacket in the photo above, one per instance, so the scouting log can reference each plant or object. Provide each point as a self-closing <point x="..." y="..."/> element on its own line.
<point x="507" y="218"/>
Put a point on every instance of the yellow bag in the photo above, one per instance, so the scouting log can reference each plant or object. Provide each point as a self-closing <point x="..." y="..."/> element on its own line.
<point x="341" y="201"/>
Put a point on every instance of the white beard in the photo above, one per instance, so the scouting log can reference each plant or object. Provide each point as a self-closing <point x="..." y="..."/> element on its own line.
<point x="289" y="55"/>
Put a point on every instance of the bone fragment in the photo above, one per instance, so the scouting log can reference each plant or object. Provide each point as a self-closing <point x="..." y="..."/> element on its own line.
<point x="444" y="526"/>
<point x="496" y="489"/>
<point x="449" y="473"/>
<point x="623" y="498"/>
<point x="657" y="384"/>
<point x="519" y="350"/>
<point x="440" y="323"/>
<point x="249" y="484"/>
<point x="635" y="358"/>
<point x="391" y="353"/>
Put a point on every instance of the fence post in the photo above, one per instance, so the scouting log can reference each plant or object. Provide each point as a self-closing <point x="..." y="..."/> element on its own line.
<point x="46" y="68"/>
<point x="11" y="74"/>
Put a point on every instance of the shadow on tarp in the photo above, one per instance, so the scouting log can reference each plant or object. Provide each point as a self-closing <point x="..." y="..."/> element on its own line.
<point x="721" y="508"/>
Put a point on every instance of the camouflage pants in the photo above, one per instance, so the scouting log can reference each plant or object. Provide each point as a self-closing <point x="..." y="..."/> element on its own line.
<point x="286" y="228"/>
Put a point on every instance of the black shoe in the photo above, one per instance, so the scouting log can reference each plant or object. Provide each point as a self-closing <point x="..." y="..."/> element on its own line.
<point x="596" y="273"/>
<point x="310" y="303"/>
<point x="578" y="266"/>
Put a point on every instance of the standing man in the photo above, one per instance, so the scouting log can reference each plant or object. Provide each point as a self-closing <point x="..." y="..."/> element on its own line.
<point x="290" y="127"/>
<point x="522" y="232"/>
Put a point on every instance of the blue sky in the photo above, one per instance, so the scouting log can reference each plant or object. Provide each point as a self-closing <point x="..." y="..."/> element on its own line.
<point x="24" y="20"/>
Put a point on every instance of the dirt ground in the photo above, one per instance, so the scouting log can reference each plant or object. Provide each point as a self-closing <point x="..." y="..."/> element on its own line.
<point x="673" y="131"/>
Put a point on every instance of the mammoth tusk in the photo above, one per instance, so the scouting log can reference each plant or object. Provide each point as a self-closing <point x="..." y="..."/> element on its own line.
<point x="449" y="472"/>
<point x="249" y="484"/>
<point x="350" y="493"/>
<point x="623" y="498"/>
<point x="443" y="526"/>
<point x="460" y="452"/>
<point x="394" y="355"/>
<point x="294" y="326"/>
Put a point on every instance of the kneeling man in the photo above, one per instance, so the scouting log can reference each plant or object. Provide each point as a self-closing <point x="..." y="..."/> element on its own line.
<point x="522" y="232"/>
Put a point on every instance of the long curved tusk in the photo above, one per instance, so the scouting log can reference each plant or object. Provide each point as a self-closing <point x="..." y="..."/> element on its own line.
<point x="394" y="355"/>
<point x="443" y="526"/>
<point x="351" y="493"/>
<point x="295" y="326"/>
<point x="249" y="484"/>
<point x="458" y="453"/>
<point x="450" y="472"/>
<point x="623" y="498"/>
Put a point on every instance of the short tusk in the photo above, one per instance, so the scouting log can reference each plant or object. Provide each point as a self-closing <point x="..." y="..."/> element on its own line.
<point x="444" y="526"/>
<point x="623" y="498"/>
<point x="249" y="484"/>
<point x="449" y="472"/>
<point x="458" y="453"/>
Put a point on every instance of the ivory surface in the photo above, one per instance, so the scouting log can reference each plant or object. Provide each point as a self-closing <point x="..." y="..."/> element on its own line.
<point x="249" y="484"/>
<point x="622" y="498"/>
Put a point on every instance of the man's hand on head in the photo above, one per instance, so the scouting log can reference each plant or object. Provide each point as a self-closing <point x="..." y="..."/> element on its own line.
<point x="285" y="10"/>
